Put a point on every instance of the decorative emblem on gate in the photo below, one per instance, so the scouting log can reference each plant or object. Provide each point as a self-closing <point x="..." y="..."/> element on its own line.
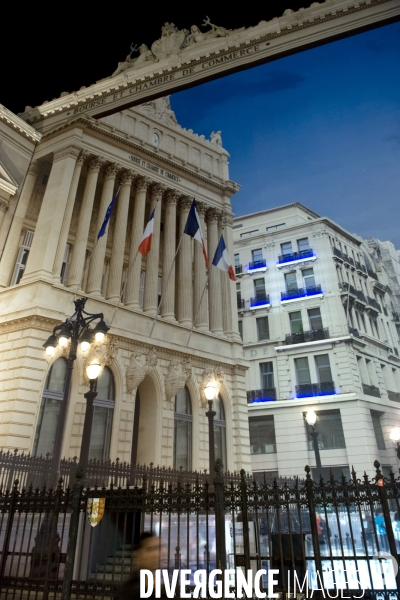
<point x="95" y="510"/>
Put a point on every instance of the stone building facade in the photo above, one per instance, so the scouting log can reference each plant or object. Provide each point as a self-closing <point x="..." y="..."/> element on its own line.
<point x="316" y="317"/>
<point x="61" y="181"/>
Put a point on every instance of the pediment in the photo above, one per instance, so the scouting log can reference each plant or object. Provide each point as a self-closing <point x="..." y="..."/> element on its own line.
<point x="7" y="181"/>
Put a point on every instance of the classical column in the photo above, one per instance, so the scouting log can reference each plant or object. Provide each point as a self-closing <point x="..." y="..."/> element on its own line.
<point x="185" y="268"/>
<point x="4" y="204"/>
<point x="82" y="230"/>
<point x="214" y="281"/>
<point x="200" y="276"/>
<point x="63" y="239"/>
<point x="135" y="262"/>
<point x="119" y="237"/>
<point x="150" y="300"/>
<point x="228" y="287"/>
<point x="13" y="240"/>
<point x="50" y="222"/>
<point x="99" y="251"/>
<point x="169" y="249"/>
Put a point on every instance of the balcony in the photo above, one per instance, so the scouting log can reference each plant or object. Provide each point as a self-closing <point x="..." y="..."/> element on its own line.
<point x="345" y="287"/>
<point x="238" y="269"/>
<point x="380" y="287"/>
<point x="259" y="301"/>
<point x="306" y="390"/>
<point x="361" y="268"/>
<point x="307" y="336"/>
<point x="240" y="303"/>
<point x="396" y="317"/>
<point x="337" y="253"/>
<point x="312" y="290"/>
<point x="374" y="304"/>
<point x="354" y="332"/>
<point x="257" y="265"/>
<point x="371" y="390"/>
<point x="256" y="396"/>
<point x="293" y="256"/>
<point x="372" y="274"/>
<point x="348" y="260"/>
<point x="394" y="396"/>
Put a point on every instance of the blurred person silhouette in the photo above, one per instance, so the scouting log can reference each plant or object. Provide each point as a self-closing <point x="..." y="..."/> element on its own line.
<point x="147" y="556"/>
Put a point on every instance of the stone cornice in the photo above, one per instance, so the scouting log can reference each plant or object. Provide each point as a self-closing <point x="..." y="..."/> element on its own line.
<point x="19" y="125"/>
<point x="101" y="98"/>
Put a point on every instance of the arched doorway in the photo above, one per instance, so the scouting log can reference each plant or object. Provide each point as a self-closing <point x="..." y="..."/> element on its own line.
<point x="146" y="442"/>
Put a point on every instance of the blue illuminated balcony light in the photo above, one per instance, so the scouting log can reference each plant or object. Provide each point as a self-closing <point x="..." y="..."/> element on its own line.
<point x="306" y="390"/>
<point x="260" y="396"/>
<point x="257" y="265"/>
<point x="293" y="256"/>
<point x="312" y="290"/>
<point x="260" y="301"/>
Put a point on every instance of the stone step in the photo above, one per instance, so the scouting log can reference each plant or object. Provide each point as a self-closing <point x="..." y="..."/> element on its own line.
<point x="108" y="577"/>
<point x="123" y="554"/>
<point x="113" y="568"/>
<point x="117" y="560"/>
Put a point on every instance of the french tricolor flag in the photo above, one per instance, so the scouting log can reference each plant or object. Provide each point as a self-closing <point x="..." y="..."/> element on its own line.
<point x="221" y="259"/>
<point x="145" y="244"/>
<point x="193" y="228"/>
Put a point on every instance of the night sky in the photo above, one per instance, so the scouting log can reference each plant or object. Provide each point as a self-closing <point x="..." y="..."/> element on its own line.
<point x="321" y="127"/>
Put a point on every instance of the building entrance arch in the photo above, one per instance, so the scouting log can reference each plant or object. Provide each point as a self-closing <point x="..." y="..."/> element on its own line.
<point x="146" y="424"/>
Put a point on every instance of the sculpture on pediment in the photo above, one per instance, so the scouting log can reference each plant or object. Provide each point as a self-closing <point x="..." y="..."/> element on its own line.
<point x="140" y="365"/>
<point x="215" y="138"/>
<point x="171" y="43"/>
<point x="145" y="56"/>
<point x="161" y="109"/>
<point x="178" y="374"/>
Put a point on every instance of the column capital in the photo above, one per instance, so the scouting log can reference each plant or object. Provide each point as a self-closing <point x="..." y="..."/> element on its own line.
<point x="3" y="205"/>
<point x="33" y="168"/>
<point x="156" y="191"/>
<point x="212" y="214"/>
<point x="68" y="151"/>
<point x="185" y="202"/>
<point x="83" y="156"/>
<point x="202" y="208"/>
<point x="171" y="197"/>
<point x="110" y="171"/>
<point x="141" y="184"/>
<point x="126" y="177"/>
<point x="227" y="218"/>
<point x="95" y="164"/>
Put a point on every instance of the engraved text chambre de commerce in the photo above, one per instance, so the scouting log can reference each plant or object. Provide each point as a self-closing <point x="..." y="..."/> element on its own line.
<point x="168" y="78"/>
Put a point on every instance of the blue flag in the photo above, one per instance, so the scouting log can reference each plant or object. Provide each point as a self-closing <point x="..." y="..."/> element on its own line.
<point x="107" y="217"/>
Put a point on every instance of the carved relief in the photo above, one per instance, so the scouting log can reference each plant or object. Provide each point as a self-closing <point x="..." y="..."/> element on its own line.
<point x="140" y="365"/>
<point x="142" y="184"/>
<point x="178" y="374"/>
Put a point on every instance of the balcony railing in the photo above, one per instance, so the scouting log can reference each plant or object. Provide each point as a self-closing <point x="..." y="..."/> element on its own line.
<point x="394" y="396"/>
<point x="307" y="336"/>
<point x="337" y="253"/>
<point x="353" y="331"/>
<point x="300" y="255"/>
<point x="257" y="264"/>
<point x="238" y="269"/>
<point x="372" y="302"/>
<point x="265" y="395"/>
<point x="346" y="287"/>
<point x="260" y="301"/>
<point x="371" y="390"/>
<point x="379" y="286"/>
<point x="348" y="259"/>
<point x="240" y="303"/>
<point x="372" y="274"/>
<point x="360" y="267"/>
<point x="312" y="290"/>
<point x="315" y="389"/>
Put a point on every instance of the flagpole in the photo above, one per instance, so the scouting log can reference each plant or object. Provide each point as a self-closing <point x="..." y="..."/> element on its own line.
<point x="166" y="284"/>
<point x="198" y="308"/>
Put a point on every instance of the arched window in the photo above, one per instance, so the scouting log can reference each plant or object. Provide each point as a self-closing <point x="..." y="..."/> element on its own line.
<point x="219" y="431"/>
<point x="50" y="409"/>
<point x="102" y="416"/>
<point x="183" y="430"/>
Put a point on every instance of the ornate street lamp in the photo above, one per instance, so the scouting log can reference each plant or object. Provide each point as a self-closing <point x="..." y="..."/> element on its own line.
<point x="75" y="330"/>
<point x="395" y="437"/>
<point x="311" y="419"/>
<point x="210" y="392"/>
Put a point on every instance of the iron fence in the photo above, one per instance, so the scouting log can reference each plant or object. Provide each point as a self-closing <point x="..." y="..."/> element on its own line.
<point x="331" y="534"/>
